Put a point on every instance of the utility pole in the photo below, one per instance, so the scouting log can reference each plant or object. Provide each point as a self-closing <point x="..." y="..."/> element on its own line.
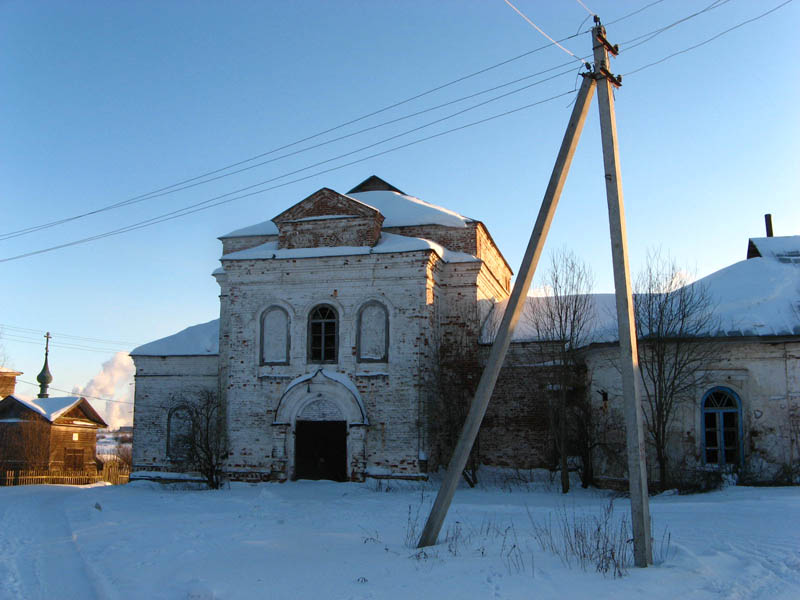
<point x="640" y="512"/>
<point x="515" y="303"/>
<point x="629" y="355"/>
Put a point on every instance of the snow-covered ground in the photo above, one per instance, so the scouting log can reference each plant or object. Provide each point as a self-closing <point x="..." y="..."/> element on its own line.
<point x="324" y="540"/>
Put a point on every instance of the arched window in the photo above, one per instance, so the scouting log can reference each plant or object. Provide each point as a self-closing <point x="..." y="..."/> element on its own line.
<point x="179" y="432"/>
<point x="274" y="336"/>
<point x="372" y="336"/>
<point x="722" y="422"/>
<point x="323" y="334"/>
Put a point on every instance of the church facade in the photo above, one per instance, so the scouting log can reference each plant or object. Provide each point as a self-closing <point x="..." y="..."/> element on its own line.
<point x="333" y="317"/>
<point x="353" y="330"/>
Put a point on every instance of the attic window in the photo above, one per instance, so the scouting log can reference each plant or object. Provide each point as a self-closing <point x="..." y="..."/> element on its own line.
<point x="74" y="437"/>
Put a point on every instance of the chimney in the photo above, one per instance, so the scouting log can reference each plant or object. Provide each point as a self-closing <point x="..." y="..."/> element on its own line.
<point x="768" y="222"/>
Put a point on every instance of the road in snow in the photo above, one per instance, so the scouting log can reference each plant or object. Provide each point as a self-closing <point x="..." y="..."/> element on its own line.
<point x="328" y="540"/>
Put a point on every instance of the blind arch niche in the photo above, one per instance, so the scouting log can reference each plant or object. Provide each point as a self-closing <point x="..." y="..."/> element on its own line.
<point x="274" y="346"/>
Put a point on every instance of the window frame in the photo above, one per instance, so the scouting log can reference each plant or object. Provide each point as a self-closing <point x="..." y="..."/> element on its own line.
<point x="719" y="427"/>
<point x="385" y="357"/>
<point x="264" y="314"/>
<point x="323" y="360"/>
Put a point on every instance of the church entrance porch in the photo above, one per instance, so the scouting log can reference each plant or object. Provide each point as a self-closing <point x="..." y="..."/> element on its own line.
<point x="321" y="450"/>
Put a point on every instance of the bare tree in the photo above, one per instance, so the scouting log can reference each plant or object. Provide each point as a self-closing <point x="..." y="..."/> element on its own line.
<point x="204" y="440"/>
<point x="674" y="319"/>
<point x="561" y="320"/>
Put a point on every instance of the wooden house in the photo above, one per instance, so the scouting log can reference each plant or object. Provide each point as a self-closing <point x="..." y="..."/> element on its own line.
<point x="59" y="434"/>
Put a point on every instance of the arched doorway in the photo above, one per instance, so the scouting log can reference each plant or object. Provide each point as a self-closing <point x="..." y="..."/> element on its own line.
<point x="320" y="426"/>
<point x="320" y="442"/>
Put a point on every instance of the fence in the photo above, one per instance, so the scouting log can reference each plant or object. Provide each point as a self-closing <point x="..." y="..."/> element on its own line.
<point x="112" y="473"/>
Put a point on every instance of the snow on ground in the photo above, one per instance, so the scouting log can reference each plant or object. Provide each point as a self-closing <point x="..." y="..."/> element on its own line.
<point x="310" y="539"/>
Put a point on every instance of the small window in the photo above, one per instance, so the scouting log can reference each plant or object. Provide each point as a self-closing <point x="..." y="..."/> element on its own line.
<point x="323" y="334"/>
<point x="74" y="437"/>
<point x="274" y="336"/>
<point x="179" y="431"/>
<point x="372" y="338"/>
<point x="721" y="427"/>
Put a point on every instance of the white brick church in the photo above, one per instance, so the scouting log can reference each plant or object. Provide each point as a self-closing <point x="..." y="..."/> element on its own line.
<point x="332" y="315"/>
<point x="353" y="328"/>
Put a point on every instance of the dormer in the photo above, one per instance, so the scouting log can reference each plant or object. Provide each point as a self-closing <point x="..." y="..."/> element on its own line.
<point x="327" y="218"/>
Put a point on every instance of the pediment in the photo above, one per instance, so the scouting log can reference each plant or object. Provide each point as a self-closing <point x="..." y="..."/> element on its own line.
<point x="327" y="203"/>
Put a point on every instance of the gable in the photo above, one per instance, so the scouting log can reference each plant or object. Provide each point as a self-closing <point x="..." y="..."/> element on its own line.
<point x="328" y="219"/>
<point x="326" y="203"/>
<point x="82" y="414"/>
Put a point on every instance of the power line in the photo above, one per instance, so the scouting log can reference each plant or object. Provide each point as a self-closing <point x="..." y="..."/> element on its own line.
<point x="540" y="30"/>
<point x="588" y="10"/>
<point x="24" y="340"/>
<point x="631" y="14"/>
<point x="79" y="394"/>
<point x="159" y="192"/>
<point x="170" y="188"/>
<point x="315" y="146"/>
<point x="711" y="39"/>
<point x="186" y="211"/>
<point x="225" y="198"/>
<point x="4" y="326"/>
<point x="656" y="32"/>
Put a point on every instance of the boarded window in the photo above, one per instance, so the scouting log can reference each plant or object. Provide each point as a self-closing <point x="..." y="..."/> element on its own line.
<point x="323" y="334"/>
<point x="179" y="430"/>
<point x="274" y="336"/>
<point x="373" y="333"/>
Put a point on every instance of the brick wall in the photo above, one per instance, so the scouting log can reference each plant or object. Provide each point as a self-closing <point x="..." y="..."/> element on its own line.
<point x="320" y="233"/>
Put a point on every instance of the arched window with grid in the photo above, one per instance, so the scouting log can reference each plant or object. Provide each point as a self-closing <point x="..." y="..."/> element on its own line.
<point x="722" y="427"/>
<point x="323" y="334"/>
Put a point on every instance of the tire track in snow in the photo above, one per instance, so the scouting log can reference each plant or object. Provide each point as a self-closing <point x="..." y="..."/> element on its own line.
<point x="54" y="569"/>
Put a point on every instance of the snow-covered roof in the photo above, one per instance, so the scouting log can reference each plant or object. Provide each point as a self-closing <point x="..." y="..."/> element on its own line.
<point x="397" y="209"/>
<point x="400" y="210"/>
<point x="756" y="297"/>
<point x="785" y="249"/>
<point x="8" y="371"/>
<point x="263" y="228"/>
<point x="388" y="243"/>
<point x="197" y="340"/>
<point x="53" y="407"/>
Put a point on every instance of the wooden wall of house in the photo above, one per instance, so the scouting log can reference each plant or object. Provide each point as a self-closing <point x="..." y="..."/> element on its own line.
<point x="63" y="444"/>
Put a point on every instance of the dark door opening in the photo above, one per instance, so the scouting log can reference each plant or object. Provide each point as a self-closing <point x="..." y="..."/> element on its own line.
<point x="320" y="450"/>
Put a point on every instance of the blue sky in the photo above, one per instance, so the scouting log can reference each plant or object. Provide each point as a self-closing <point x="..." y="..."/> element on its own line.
<point x="104" y="101"/>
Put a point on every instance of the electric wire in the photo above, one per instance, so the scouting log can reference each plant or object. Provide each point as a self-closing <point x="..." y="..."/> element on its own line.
<point x="711" y="39"/>
<point x="540" y="30"/>
<point x="187" y="211"/>
<point x="656" y="32"/>
<point x="55" y="334"/>
<point x="208" y="203"/>
<point x="588" y="10"/>
<point x="169" y="189"/>
<point x="77" y="394"/>
<point x="24" y="340"/>
<point x="353" y="134"/>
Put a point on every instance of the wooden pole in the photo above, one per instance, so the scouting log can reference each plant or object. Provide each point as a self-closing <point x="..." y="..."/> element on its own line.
<point x="629" y="356"/>
<point x="515" y="303"/>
